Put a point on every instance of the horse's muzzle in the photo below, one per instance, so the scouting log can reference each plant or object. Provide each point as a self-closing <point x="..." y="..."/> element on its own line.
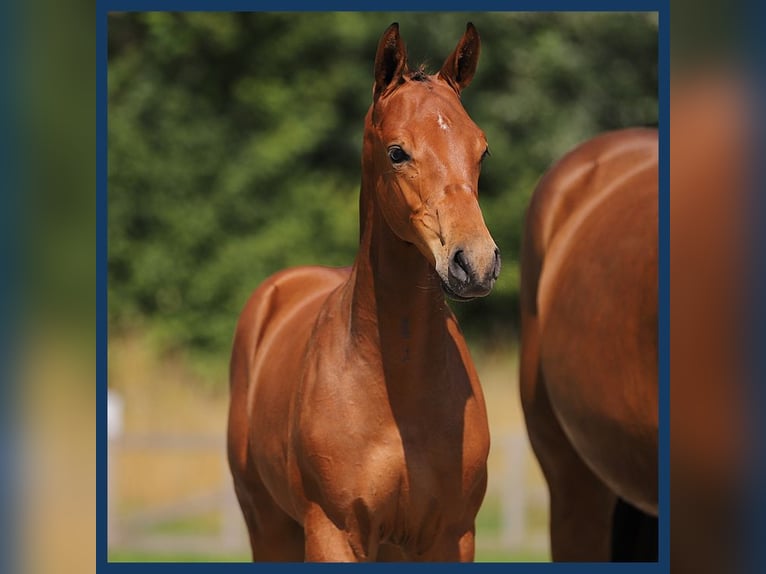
<point x="465" y="280"/>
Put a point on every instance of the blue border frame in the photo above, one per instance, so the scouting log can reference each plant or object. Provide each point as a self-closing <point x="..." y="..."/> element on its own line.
<point x="663" y="75"/>
<point x="103" y="7"/>
<point x="11" y="292"/>
<point x="102" y="310"/>
<point x="754" y="327"/>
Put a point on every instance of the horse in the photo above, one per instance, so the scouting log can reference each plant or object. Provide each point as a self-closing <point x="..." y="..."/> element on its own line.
<point x="357" y="427"/>
<point x="588" y="365"/>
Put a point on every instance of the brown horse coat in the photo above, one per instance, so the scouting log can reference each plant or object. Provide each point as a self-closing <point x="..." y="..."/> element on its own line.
<point x="357" y="426"/>
<point x="589" y="337"/>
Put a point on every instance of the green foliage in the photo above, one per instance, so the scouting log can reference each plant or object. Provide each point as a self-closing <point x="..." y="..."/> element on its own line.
<point x="235" y="142"/>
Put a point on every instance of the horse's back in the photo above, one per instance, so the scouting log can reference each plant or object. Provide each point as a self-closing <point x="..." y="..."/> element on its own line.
<point x="589" y="272"/>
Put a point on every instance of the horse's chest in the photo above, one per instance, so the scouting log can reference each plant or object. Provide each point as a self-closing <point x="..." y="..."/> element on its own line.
<point x="412" y="463"/>
<point x="438" y="472"/>
<point x="434" y="492"/>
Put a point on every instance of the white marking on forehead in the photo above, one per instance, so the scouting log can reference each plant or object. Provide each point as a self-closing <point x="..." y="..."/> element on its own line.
<point x="442" y="122"/>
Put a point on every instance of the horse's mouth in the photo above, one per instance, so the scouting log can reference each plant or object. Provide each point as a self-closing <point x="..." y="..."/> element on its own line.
<point x="452" y="295"/>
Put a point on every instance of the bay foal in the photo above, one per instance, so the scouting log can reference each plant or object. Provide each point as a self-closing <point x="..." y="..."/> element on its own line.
<point x="357" y="426"/>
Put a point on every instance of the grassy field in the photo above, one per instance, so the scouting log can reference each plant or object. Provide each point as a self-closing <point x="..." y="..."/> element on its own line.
<point x="164" y="396"/>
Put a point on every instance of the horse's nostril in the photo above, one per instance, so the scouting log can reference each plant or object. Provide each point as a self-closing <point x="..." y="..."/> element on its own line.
<point x="496" y="268"/>
<point x="459" y="266"/>
<point x="461" y="260"/>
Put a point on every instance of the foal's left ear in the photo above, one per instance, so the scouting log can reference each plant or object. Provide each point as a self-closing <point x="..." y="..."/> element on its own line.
<point x="460" y="66"/>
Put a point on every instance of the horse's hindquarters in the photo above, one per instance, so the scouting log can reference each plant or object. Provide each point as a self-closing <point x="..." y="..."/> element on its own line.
<point x="589" y="339"/>
<point x="598" y="328"/>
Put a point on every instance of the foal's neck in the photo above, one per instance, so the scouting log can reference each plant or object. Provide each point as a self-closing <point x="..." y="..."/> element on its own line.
<point x="396" y="298"/>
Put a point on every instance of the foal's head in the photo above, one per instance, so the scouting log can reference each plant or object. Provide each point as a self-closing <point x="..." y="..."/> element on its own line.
<point x="426" y="155"/>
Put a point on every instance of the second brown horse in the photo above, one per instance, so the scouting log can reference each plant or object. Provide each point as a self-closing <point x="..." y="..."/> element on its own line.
<point x="357" y="426"/>
<point x="589" y="346"/>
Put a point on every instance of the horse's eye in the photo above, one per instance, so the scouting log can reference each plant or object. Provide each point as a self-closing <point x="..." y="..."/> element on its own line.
<point x="397" y="154"/>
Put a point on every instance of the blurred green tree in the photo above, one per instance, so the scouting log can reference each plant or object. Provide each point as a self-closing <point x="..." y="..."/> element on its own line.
<point x="235" y="140"/>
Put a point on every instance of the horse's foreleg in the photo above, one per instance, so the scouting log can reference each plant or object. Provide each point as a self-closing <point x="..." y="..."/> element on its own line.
<point x="451" y="546"/>
<point x="466" y="546"/>
<point x="328" y="542"/>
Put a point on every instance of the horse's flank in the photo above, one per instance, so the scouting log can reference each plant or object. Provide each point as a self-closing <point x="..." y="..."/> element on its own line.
<point x="589" y="343"/>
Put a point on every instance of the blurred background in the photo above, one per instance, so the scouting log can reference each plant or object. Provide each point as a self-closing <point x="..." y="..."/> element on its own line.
<point x="234" y="146"/>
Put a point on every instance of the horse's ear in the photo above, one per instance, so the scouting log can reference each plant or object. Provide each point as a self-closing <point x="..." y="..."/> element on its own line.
<point x="460" y="66"/>
<point x="390" y="60"/>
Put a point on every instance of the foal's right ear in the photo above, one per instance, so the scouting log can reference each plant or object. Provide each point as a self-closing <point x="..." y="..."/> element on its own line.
<point x="390" y="60"/>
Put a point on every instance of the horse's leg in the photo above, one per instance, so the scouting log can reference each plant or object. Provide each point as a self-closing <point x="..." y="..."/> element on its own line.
<point x="326" y="542"/>
<point x="467" y="546"/>
<point x="391" y="553"/>
<point x="634" y="534"/>
<point x="451" y="546"/>
<point x="581" y="506"/>
<point x="274" y="536"/>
